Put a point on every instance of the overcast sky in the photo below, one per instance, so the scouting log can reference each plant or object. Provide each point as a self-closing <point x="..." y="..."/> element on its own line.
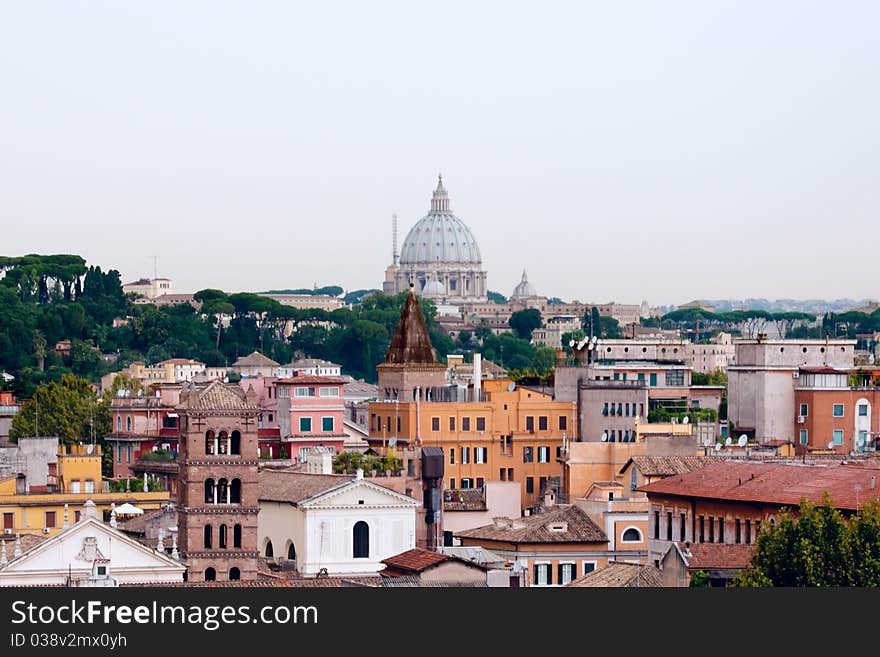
<point x="617" y="150"/>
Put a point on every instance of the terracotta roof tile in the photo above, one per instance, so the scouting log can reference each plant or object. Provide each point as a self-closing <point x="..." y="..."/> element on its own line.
<point x="215" y="396"/>
<point x="411" y="342"/>
<point x="665" y="466"/>
<point x="415" y="560"/>
<point x="255" y="359"/>
<point x="620" y="575"/>
<point x="773" y="483"/>
<point x="718" y="556"/>
<point x="286" y="486"/>
<point x="310" y="378"/>
<point x="578" y="528"/>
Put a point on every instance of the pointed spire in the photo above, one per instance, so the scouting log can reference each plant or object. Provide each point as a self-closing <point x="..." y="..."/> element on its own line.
<point x="525" y="278"/>
<point x="411" y="342"/>
<point x="3" y="558"/>
<point x="440" y="200"/>
<point x="113" y="522"/>
<point x="17" y="552"/>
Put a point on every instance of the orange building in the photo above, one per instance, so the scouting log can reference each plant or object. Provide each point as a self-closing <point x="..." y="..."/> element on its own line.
<point x="833" y="415"/>
<point x="490" y="430"/>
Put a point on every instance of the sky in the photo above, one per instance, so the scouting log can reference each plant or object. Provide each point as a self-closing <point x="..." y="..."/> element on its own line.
<point x="618" y="151"/>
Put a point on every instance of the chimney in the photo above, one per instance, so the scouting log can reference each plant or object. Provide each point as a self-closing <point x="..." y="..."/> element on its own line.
<point x="478" y="375"/>
<point x="873" y="482"/>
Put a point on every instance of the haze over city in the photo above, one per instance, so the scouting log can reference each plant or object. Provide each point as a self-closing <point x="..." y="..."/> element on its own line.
<point x="649" y="151"/>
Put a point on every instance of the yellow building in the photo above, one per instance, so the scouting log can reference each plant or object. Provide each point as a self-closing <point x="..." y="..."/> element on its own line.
<point x="78" y="478"/>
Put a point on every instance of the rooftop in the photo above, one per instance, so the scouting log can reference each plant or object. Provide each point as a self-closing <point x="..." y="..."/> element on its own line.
<point x="216" y="396"/>
<point x="415" y="560"/>
<point x="620" y="575"/>
<point x="562" y="524"/>
<point x="411" y="342"/>
<point x="717" y="556"/>
<point x="666" y="466"/>
<point x="255" y="359"/>
<point x="294" y="487"/>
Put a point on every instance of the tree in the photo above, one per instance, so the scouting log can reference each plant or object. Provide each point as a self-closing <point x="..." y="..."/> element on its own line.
<point x="608" y="328"/>
<point x="496" y="297"/>
<point x="817" y="546"/>
<point x="544" y="361"/>
<point x="69" y="409"/>
<point x="523" y="322"/>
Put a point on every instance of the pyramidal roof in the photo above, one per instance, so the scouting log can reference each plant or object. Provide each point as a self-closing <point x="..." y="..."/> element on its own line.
<point x="255" y="359"/>
<point x="217" y="396"/>
<point x="411" y="342"/>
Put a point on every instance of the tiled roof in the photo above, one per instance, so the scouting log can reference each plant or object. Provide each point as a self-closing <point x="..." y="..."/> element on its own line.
<point x="620" y="575"/>
<point x="312" y="362"/>
<point x="536" y="528"/>
<point x="773" y="483"/>
<point x="470" y="499"/>
<point x="309" y="378"/>
<point x="410" y="342"/>
<point x="255" y="359"/>
<point x="718" y="556"/>
<point x="216" y="396"/>
<point x="138" y="524"/>
<point x="28" y="542"/>
<point x="665" y="466"/>
<point x="281" y="486"/>
<point x="413" y="581"/>
<point x="415" y="560"/>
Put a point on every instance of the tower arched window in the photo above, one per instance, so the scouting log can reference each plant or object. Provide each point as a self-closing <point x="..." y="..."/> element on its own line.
<point x="234" y="574"/>
<point x="270" y="552"/>
<point x="118" y="424"/>
<point x="210" y="575"/>
<point x="209" y="491"/>
<point x="291" y="552"/>
<point x="236" y="536"/>
<point x="223" y="492"/>
<point x="209" y="442"/>
<point x="221" y="543"/>
<point x="235" y="443"/>
<point x="209" y="535"/>
<point x="361" y="540"/>
<point x="223" y="443"/>
<point x="128" y="423"/>
<point x="235" y="492"/>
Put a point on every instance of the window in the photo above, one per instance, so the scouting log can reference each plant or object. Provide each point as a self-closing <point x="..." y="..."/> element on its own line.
<point x="209" y="534"/>
<point x="542" y="423"/>
<point x="543" y="574"/>
<point x="234" y="574"/>
<point x="542" y="484"/>
<point x="465" y="454"/>
<point x="481" y="424"/>
<point x="128" y="453"/>
<point x="527" y="455"/>
<point x="530" y="423"/>
<point x="720" y="530"/>
<point x="8" y="520"/>
<point x="657" y="525"/>
<point x="465" y="424"/>
<point x="838" y="436"/>
<point x="128" y="424"/>
<point x="480" y="482"/>
<point x="481" y="454"/>
<point x="452" y="484"/>
<point x="530" y="485"/>
<point x="435" y="424"/>
<point x="50" y="519"/>
<point x="566" y="573"/>
<point x="675" y="378"/>
<point x="452" y="423"/>
<point x="669" y="525"/>
<point x="682" y="527"/>
<point x="652" y="381"/>
<point x="102" y="570"/>
<point x="837" y="410"/>
<point x="466" y="483"/>
<point x="236" y="536"/>
<point x="90" y="486"/>
<point x="748" y="531"/>
<point x="702" y="529"/>
<point x="502" y="474"/>
<point x="303" y="392"/>
<point x="75" y="486"/>
<point x="361" y="540"/>
<point x="210" y="575"/>
<point x="544" y="454"/>
<point x="737" y="531"/>
<point x="804" y="437"/>
<point x="863" y="410"/>
<point x="633" y="478"/>
<point x="510" y="476"/>
<point x="221" y="542"/>
<point x="563" y="423"/>
<point x="118" y="424"/>
<point x="452" y="456"/>
<point x="410" y="468"/>
<point x="631" y="535"/>
<point x="329" y="391"/>
<point x="327" y="424"/>
<point x="305" y="424"/>
<point x="805" y="408"/>
<point x="605" y="409"/>
<point x="588" y="566"/>
<point x="711" y="529"/>
<point x="118" y="453"/>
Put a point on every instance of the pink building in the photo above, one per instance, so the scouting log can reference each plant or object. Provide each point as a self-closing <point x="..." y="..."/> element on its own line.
<point x="141" y="425"/>
<point x="310" y="413"/>
<point x="268" y="433"/>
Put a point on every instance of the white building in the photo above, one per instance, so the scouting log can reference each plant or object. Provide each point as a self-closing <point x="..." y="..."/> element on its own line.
<point x="311" y="366"/>
<point x="346" y="525"/>
<point x="87" y="553"/>
<point x="149" y="287"/>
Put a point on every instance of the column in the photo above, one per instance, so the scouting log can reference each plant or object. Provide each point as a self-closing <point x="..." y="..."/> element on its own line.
<point x="215" y="493"/>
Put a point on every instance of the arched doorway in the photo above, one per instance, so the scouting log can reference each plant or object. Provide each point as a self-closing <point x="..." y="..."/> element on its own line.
<point x="361" y="540"/>
<point x="210" y="575"/>
<point x="234" y="574"/>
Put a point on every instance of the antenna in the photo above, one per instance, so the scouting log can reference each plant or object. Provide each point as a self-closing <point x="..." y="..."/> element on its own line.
<point x="742" y="441"/>
<point x="394" y="255"/>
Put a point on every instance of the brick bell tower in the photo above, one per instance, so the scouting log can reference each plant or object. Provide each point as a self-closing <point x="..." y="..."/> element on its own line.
<point x="217" y="460"/>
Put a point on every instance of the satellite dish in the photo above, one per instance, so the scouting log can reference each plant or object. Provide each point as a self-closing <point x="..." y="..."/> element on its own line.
<point x="90" y="448"/>
<point x="572" y="343"/>
<point x="831" y="445"/>
<point x="392" y="441"/>
<point x="685" y="419"/>
<point x="604" y="436"/>
<point x="742" y="441"/>
<point x="717" y="447"/>
<point x="140" y="393"/>
<point x="743" y="437"/>
<point x="511" y="386"/>
<point x="728" y="442"/>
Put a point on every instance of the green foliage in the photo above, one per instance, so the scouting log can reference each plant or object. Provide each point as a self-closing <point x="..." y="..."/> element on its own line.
<point x="717" y="377"/>
<point x="349" y="462"/>
<point x="496" y="297"/>
<point x="328" y="290"/>
<point x="523" y="322"/>
<point x="817" y="546"/>
<point x="699" y="579"/>
<point x="69" y="409"/>
<point x="694" y="414"/>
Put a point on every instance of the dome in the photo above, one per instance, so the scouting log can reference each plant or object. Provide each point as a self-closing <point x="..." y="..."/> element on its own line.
<point x="524" y="289"/>
<point x="440" y="236"/>
<point x="433" y="287"/>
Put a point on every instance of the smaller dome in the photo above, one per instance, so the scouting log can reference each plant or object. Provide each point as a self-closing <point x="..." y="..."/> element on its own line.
<point x="524" y="289"/>
<point x="433" y="287"/>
